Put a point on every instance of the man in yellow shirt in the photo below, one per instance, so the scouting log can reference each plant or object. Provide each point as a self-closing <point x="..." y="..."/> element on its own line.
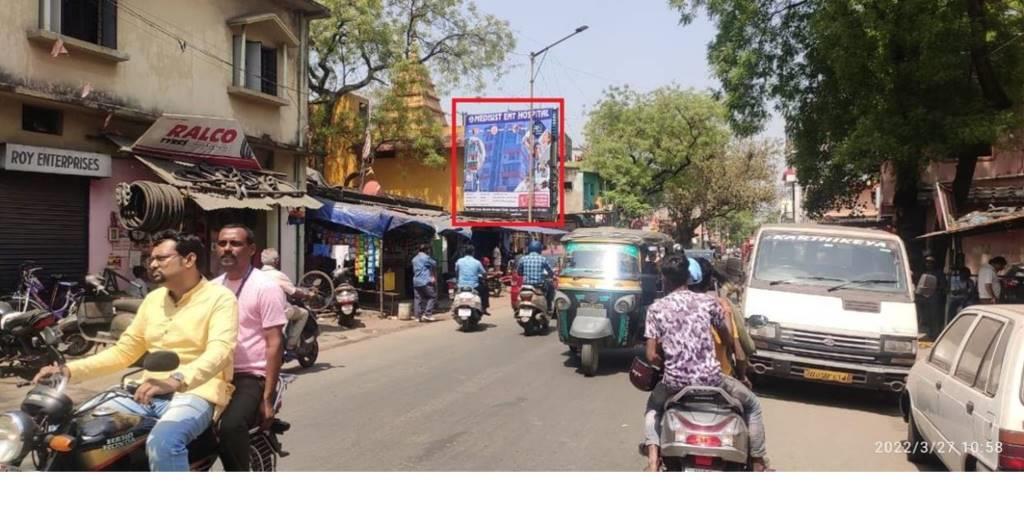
<point x="190" y="316"/>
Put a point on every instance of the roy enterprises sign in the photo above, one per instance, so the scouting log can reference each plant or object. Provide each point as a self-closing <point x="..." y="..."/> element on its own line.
<point x="34" y="159"/>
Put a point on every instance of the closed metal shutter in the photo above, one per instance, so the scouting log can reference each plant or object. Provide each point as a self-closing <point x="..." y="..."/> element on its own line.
<point x="43" y="218"/>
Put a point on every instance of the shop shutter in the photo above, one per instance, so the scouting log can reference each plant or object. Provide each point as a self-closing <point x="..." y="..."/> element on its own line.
<point x="43" y="218"/>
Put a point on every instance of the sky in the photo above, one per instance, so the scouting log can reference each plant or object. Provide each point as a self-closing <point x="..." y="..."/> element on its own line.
<point x="638" y="43"/>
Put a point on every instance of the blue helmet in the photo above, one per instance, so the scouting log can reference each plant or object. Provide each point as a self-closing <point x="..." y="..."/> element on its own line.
<point x="536" y="246"/>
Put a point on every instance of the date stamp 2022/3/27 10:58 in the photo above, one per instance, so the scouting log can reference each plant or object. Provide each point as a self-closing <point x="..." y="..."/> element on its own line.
<point x="939" y="447"/>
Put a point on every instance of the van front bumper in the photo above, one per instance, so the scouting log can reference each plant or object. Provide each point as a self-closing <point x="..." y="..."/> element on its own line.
<point x="862" y="375"/>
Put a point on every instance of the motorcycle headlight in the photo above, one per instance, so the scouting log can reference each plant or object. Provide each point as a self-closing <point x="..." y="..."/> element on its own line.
<point x="625" y="304"/>
<point x="562" y="302"/>
<point x="16" y="430"/>
<point x="899" y="345"/>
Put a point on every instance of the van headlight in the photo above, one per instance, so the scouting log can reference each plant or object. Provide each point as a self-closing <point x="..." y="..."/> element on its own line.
<point x="16" y="429"/>
<point x="899" y="345"/>
<point x="759" y="326"/>
<point x="625" y="304"/>
<point x="562" y="302"/>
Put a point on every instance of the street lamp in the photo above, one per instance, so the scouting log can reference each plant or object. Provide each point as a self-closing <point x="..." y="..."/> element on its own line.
<point x="533" y="76"/>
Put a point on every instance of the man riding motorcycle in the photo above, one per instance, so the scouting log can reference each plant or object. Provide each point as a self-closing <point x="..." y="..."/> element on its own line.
<point x="536" y="271"/>
<point x="296" y="316"/>
<point x="679" y="339"/>
<point x="470" y="273"/>
<point x="258" y="355"/>
<point x="190" y="316"/>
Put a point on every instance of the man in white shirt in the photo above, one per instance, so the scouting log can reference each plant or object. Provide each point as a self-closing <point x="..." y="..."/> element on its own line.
<point x="271" y="261"/>
<point x="989" y="287"/>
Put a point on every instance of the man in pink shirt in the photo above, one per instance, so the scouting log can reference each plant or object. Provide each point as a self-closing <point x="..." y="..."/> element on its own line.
<point x="261" y="318"/>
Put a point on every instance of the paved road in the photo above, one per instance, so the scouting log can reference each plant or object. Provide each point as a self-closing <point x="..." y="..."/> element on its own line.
<point x="434" y="399"/>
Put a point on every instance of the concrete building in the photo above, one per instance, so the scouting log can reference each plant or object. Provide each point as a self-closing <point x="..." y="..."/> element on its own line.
<point x="75" y="72"/>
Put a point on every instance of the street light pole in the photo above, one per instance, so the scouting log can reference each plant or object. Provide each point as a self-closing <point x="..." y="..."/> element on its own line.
<point x="534" y="148"/>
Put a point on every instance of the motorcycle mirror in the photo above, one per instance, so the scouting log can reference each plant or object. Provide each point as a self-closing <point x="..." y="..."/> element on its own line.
<point x="158" y="361"/>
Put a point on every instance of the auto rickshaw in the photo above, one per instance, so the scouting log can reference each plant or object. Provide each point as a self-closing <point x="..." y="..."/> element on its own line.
<point x="608" y="280"/>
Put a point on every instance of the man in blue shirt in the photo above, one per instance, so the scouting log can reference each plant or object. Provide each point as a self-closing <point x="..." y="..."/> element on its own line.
<point x="469" y="272"/>
<point x="536" y="271"/>
<point x="423" y="279"/>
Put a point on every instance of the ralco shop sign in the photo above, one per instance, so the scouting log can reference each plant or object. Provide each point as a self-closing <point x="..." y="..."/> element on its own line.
<point x="35" y="159"/>
<point x="197" y="139"/>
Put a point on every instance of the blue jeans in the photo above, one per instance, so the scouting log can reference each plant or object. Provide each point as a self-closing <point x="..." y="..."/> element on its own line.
<point x="179" y="421"/>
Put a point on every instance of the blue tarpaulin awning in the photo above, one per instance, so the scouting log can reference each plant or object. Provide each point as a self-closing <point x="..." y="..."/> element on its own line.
<point x="372" y="220"/>
<point x="538" y="230"/>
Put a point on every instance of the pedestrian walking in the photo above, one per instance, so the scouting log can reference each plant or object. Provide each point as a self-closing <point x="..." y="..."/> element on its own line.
<point x="423" y="284"/>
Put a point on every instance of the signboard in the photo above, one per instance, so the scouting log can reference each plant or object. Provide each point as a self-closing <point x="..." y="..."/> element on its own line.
<point x="197" y="139"/>
<point x="501" y="150"/>
<point x="34" y="159"/>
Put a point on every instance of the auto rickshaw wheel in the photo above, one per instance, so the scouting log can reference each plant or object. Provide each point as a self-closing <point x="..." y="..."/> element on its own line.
<point x="589" y="356"/>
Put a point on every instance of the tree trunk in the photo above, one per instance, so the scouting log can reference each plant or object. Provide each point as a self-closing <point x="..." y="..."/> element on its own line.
<point x="967" y="160"/>
<point x="910" y="214"/>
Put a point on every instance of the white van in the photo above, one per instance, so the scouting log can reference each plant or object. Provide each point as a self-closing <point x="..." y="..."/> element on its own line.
<point x="831" y="304"/>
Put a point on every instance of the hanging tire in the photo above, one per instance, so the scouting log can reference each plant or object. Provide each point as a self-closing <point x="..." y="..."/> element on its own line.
<point x="308" y="359"/>
<point x="589" y="357"/>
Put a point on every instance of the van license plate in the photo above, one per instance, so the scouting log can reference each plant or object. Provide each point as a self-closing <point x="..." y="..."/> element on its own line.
<point x="838" y="377"/>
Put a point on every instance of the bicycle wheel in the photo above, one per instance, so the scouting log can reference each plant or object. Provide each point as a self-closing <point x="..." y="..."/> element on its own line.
<point x="323" y="288"/>
<point x="18" y="302"/>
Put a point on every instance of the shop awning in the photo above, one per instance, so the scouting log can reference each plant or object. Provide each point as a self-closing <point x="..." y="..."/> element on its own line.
<point x="982" y="225"/>
<point x="538" y="230"/>
<point x="373" y="220"/>
<point x="238" y="189"/>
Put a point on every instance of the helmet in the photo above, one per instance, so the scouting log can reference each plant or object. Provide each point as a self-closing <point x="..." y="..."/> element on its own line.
<point x="536" y="246"/>
<point x="705" y="278"/>
<point x="643" y="375"/>
<point x="696" y="276"/>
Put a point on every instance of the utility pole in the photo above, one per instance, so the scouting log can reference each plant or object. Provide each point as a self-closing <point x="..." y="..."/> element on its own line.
<point x="534" y="149"/>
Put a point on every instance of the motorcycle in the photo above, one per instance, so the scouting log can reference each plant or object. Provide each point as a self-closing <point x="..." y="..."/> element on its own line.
<point x="99" y="318"/>
<point x="467" y="309"/>
<point x="704" y="429"/>
<point x="62" y="437"/>
<point x="28" y="339"/>
<point x="306" y="346"/>
<point x="494" y="282"/>
<point x="346" y="299"/>
<point x="532" y="313"/>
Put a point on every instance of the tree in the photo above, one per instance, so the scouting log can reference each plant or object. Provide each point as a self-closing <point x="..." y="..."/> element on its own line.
<point x="672" y="148"/>
<point x="640" y="143"/>
<point x="866" y="84"/>
<point x="738" y="179"/>
<point x="386" y="46"/>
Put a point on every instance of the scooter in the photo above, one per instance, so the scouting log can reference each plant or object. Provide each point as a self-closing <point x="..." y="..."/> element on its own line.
<point x="346" y="298"/>
<point x="532" y="313"/>
<point x="28" y="340"/>
<point x="704" y="429"/>
<point x="98" y="319"/>
<point x="305" y="348"/>
<point x="467" y="309"/>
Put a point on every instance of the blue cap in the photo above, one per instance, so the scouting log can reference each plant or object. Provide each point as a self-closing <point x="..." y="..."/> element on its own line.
<point x="695" y="274"/>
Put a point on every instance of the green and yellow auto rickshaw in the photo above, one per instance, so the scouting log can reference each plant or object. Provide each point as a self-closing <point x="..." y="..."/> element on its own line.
<point x="608" y="279"/>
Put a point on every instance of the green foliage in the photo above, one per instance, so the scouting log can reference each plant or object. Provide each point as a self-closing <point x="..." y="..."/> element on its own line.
<point x="672" y="148"/>
<point x="377" y="47"/>
<point x="864" y="82"/>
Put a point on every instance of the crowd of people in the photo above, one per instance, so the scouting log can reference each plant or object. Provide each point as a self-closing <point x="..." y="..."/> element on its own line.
<point x="939" y="298"/>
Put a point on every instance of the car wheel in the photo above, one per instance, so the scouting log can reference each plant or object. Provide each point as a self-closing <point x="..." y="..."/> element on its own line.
<point x="918" y="450"/>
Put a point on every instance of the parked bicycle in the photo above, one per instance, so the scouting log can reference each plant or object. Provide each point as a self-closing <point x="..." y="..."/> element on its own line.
<point x="31" y="293"/>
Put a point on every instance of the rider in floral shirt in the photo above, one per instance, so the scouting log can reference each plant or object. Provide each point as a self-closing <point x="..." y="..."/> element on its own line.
<point x="679" y="339"/>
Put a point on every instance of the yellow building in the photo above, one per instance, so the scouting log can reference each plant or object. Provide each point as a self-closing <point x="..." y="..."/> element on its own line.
<point x="396" y="171"/>
<point x="72" y="72"/>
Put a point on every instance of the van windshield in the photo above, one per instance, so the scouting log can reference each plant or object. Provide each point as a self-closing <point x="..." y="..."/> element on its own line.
<point x="832" y="262"/>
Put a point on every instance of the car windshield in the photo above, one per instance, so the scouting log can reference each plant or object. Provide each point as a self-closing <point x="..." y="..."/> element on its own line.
<point x="837" y="263"/>
<point x="605" y="260"/>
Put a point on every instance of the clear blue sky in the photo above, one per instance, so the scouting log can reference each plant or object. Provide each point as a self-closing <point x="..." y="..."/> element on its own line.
<point x="639" y="43"/>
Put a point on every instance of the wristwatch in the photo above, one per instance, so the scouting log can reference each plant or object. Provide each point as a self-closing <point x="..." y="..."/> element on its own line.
<point x="180" y="378"/>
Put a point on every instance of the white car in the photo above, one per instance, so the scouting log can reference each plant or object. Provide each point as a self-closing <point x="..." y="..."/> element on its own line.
<point x="966" y="404"/>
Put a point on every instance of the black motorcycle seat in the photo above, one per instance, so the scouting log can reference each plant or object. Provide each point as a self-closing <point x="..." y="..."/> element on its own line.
<point x="17" y="320"/>
<point x="127" y="305"/>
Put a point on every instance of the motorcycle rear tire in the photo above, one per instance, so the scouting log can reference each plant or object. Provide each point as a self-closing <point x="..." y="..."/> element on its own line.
<point x="348" y="321"/>
<point x="309" y="359"/>
<point x="496" y="290"/>
<point x="77" y="345"/>
<point x="467" y="326"/>
<point x="589" y="359"/>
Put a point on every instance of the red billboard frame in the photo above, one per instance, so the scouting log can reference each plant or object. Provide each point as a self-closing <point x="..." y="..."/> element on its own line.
<point x="560" y="222"/>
